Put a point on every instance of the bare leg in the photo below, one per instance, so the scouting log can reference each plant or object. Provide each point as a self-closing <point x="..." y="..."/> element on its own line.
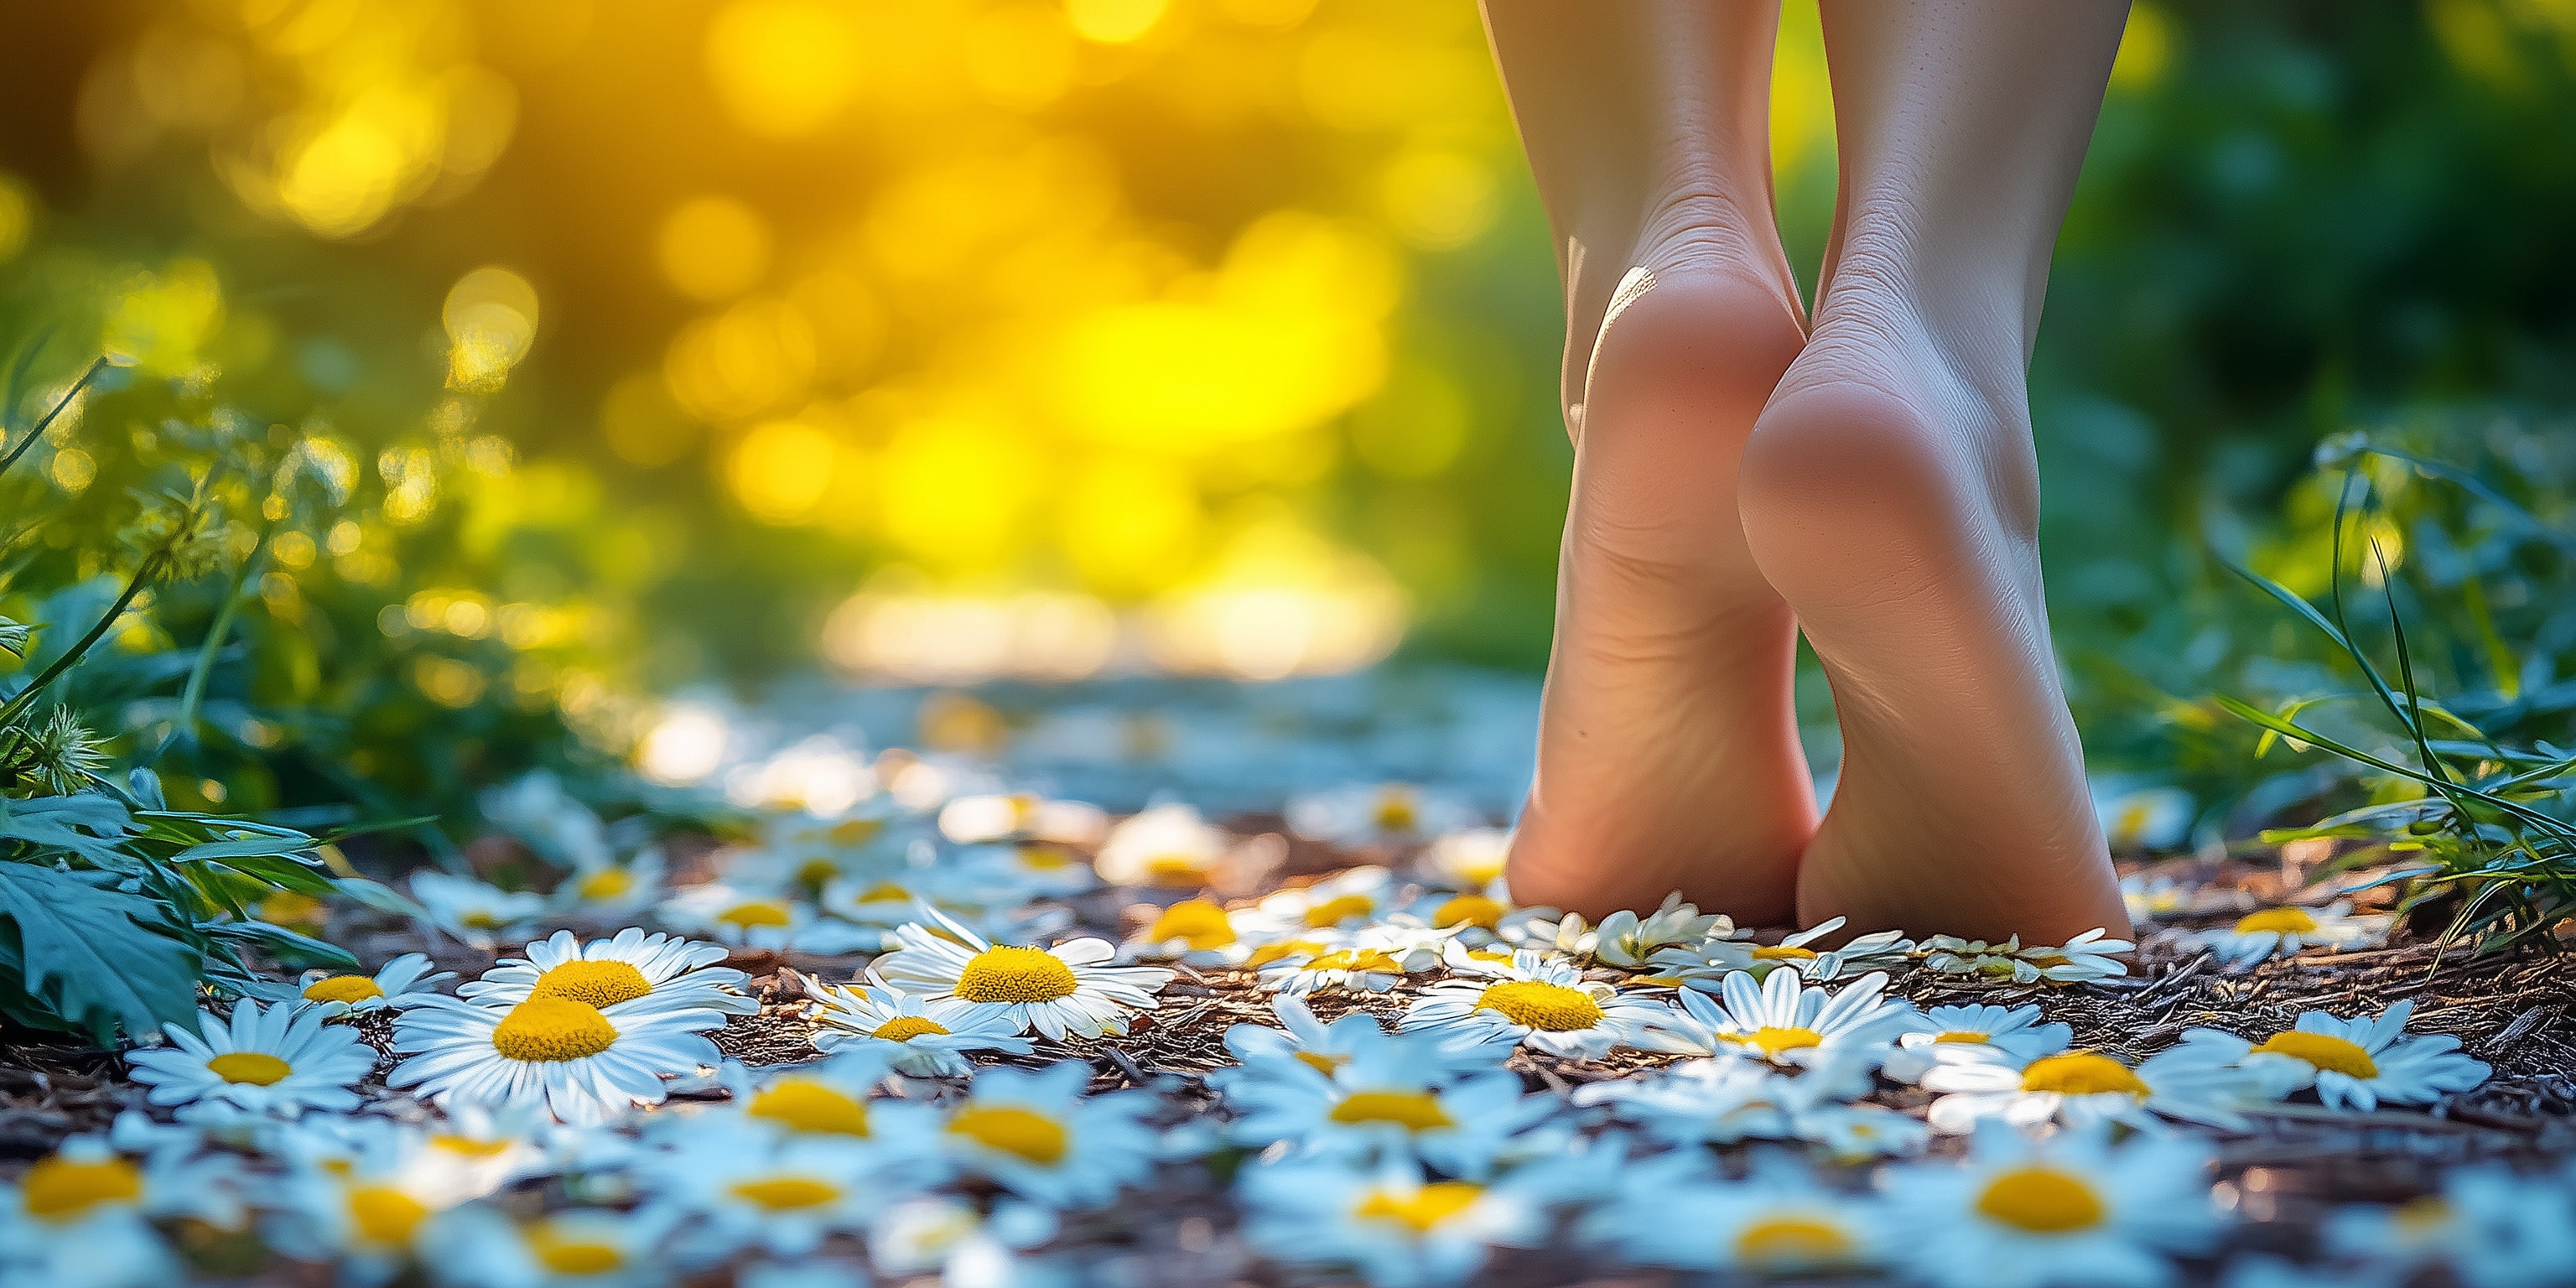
<point x="1890" y="491"/>
<point x="1668" y="752"/>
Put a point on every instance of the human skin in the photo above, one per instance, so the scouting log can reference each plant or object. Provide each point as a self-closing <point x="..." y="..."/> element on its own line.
<point x="1872" y="482"/>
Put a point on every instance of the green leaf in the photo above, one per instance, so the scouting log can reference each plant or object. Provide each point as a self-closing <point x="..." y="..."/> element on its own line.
<point x="94" y="959"/>
<point x="90" y="824"/>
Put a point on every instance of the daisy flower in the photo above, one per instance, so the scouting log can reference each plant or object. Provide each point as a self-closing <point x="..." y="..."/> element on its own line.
<point x="2283" y="931"/>
<point x="1024" y="816"/>
<point x="1471" y="859"/>
<point x="1387" y="1222"/>
<point x="2352" y="1064"/>
<point x="1672" y="1212"/>
<point x="1544" y="1005"/>
<point x="2492" y="1227"/>
<point x="1626" y="940"/>
<point x="782" y="1195"/>
<point x="1371" y="961"/>
<point x="576" y="1248"/>
<point x="631" y="965"/>
<point x="1346" y="900"/>
<point x="741" y="918"/>
<point x="1167" y="846"/>
<point x="1025" y="871"/>
<point x="2087" y="956"/>
<point x="1036" y="1135"/>
<point x="1704" y="965"/>
<point x="484" y="1147"/>
<point x="477" y="912"/>
<point x="1062" y="991"/>
<point x="283" y="1060"/>
<point x="609" y="889"/>
<point x="2085" y="1089"/>
<point x="1952" y="1034"/>
<point x="366" y="1209"/>
<point x="937" y="1233"/>
<point x="585" y="1063"/>
<point x="402" y="981"/>
<point x="830" y="1098"/>
<point x="1386" y="814"/>
<point x="1477" y="916"/>
<point x="2070" y="1210"/>
<point x="924" y="1037"/>
<point x="1327" y="1047"/>
<point x="1727" y="1099"/>
<point x="1400" y="1098"/>
<point x="1784" y="1021"/>
<point x="1198" y="932"/>
<point x="80" y="1215"/>
<point x="543" y="816"/>
<point x="2143" y="818"/>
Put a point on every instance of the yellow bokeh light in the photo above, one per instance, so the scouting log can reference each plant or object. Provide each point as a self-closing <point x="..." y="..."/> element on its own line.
<point x="783" y="68"/>
<point x="491" y="320"/>
<point x="781" y="470"/>
<point x="161" y="322"/>
<point x="1114" y="22"/>
<point x="1128" y="522"/>
<point x="713" y="248"/>
<point x="755" y="356"/>
<point x="1437" y="199"/>
<point x="895" y="631"/>
<point x="955" y="487"/>
<point x="2146" y="48"/>
<point x="1021" y="56"/>
<point x="17" y="216"/>
<point x="1282" y="602"/>
<point x="643" y="424"/>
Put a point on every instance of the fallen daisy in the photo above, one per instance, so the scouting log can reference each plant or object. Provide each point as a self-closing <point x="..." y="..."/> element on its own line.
<point x="477" y="912"/>
<point x="1194" y="932"/>
<point x="1403" y="1098"/>
<point x="401" y="982"/>
<point x="2087" y="1089"/>
<point x="2072" y="1211"/>
<point x="1346" y="900"/>
<point x="1468" y="860"/>
<point x="584" y="1063"/>
<point x="925" y="1037"/>
<point x="2154" y="898"/>
<point x="673" y="971"/>
<point x="1671" y="1211"/>
<point x="81" y="1215"/>
<point x="1021" y="816"/>
<point x="282" y="1060"/>
<point x="740" y="918"/>
<point x="1382" y="815"/>
<point x="479" y="1247"/>
<point x="1972" y="1034"/>
<point x="1625" y="939"/>
<point x="1783" y="1020"/>
<point x="826" y="1099"/>
<point x="1327" y="1047"/>
<point x="936" y="1233"/>
<point x="1538" y="1003"/>
<point x="2284" y="931"/>
<point x="1067" y="990"/>
<point x="2491" y="1227"/>
<point x="1372" y="961"/>
<point x="1389" y="1223"/>
<point x="1168" y="846"/>
<point x="2088" y="956"/>
<point x="2355" y="1064"/>
<point x="608" y="889"/>
<point x="1710" y="962"/>
<point x="366" y="1210"/>
<point x="1037" y="1135"/>
<point x="781" y="1195"/>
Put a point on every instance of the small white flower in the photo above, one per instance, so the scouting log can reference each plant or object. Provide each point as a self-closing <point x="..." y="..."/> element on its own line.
<point x="2152" y="899"/>
<point x="1627" y="940"/>
<point x="829" y="1099"/>
<point x="1397" y="1097"/>
<point x="2284" y="931"/>
<point x="1038" y="1136"/>
<point x="541" y="814"/>
<point x="1541" y="1004"/>
<point x="283" y="1060"/>
<point x="477" y="912"/>
<point x="1478" y="917"/>
<point x="1387" y="1222"/>
<point x="781" y="1194"/>
<point x="1383" y="814"/>
<point x="1468" y="860"/>
<point x="364" y="1205"/>
<point x="2085" y="1089"/>
<point x="1197" y="932"/>
<point x="1784" y="1021"/>
<point x="1017" y="873"/>
<point x="603" y="972"/>
<point x="1346" y="900"/>
<point x="478" y="1247"/>
<point x="1671" y="1212"/>
<point x="80" y="1217"/>
<point x="610" y="889"/>
<point x="1067" y="990"/>
<point x="1372" y="960"/>
<point x="2493" y="1228"/>
<point x="1168" y="846"/>
<point x="402" y="981"/>
<point x="921" y="1036"/>
<point x="1955" y="1034"/>
<point x="1026" y="817"/>
<point x="1327" y="1047"/>
<point x="2087" y="956"/>
<point x="1704" y="965"/>
<point x="934" y="1232"/>
<point x="584" y="1063"/>
<point x="2070" y="1211"/>
<point x="2143" y="818"/>
<point x="743" y="918"/>
<point x="2353" y="1064"/>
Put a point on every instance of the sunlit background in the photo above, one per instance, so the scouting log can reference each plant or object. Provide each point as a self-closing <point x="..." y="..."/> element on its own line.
<point x="939" y="341"/>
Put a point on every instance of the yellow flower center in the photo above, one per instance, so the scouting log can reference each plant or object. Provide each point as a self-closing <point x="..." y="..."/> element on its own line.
<point x="383" y="1216"/>
<point x="856" y="831"/>
<point x="1012" y="1130"/>
<point x="605" y="883"/>
<point x="602" y="983"/>
<point x="1410" y="1110"/>
<point x="1423" y="1210"/>
<point x="257" y="1068"/>
<point x="479" y="919"/>
<point x="1340" y="908"/>
<point x="552" y="1029"/>
<point x="787" y="1193"/>
<point x="288" y="908"/>
<point x="468" y="1147"/>
<point x="757" y="912"/>
<point x="1968" y="1036"/>
<point x="2421" y="1217"/>
<point x="1179" y="869"/>
<point x="2041" y="1200"/>
<point x="1044" y="858"/>
<point x="1773" y="1040"/>
<point x="816" y="872"/>
<point x="904" y="1028"/>
<point x="2324" y="1051"/>
<point x="1395" y="812"/>
<point x="2081" y="1073"/>
<point x="806" y="1105"/>
<point x="565" y="1254"/>
<point x="1268" y="953"/>
<point x="1469" y="910"/>
<point x="342" y="988"/>
<point x="885" y="892"/>
<point x="1783" y="953"/>
<point x="1358" y="961"/>
<point x="2280" y="921"/>
<point x="65" y="1189"/>
<point x="1552" y="1007"/>
<point x="1322" y="1063"/>
<point x="1005" y="974"/>
<point x="1196" y="922"/>
<point x="1497" y="956"/>
<point x="1792" y="1241"/>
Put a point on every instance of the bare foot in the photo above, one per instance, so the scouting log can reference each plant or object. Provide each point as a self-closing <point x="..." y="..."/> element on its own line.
<point x="1668" y="752"/>
<point x="1891" y="495"/>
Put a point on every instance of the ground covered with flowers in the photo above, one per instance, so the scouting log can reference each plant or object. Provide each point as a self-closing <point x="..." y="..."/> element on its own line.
<point x="943" y="1034"/>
